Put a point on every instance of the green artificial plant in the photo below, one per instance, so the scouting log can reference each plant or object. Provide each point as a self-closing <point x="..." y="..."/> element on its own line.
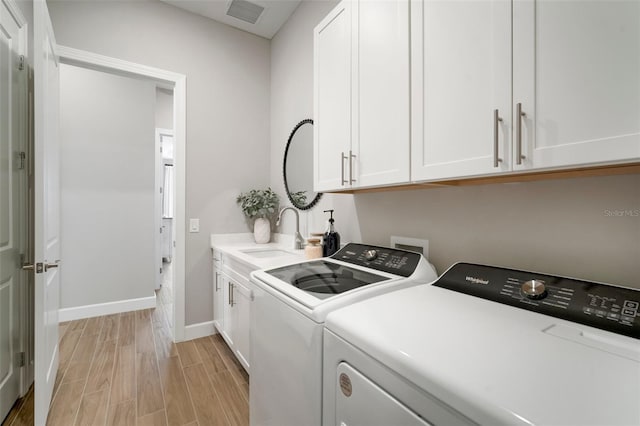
<point x="258" y="203"/>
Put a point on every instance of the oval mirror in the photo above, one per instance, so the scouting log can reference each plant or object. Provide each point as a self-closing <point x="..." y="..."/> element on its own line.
<point x="298" y="166"/>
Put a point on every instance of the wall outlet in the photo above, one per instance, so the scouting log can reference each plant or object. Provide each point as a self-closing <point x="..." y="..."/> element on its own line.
<point x="194" y="225"/>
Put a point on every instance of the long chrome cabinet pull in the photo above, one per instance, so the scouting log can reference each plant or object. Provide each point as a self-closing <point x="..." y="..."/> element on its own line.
<point x="519" y="115"/>
<point x="342" y="158"/>
<point x="230" y="287"/>
<point x="351" y="157"/>
<point x="496" y="123"/>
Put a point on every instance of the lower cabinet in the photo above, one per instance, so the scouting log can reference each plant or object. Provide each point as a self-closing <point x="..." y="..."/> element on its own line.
<point x="232" y="306"/>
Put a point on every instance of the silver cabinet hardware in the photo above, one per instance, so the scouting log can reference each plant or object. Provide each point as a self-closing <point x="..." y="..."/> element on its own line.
<point x="496" y="124"/>
<point x="519" y="115"/>
<point x="28" y="267"/>
<point x="231" y="301"/>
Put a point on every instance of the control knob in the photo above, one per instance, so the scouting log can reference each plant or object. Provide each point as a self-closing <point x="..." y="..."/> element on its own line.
<point x="534" y="289"/>
<point x="370" y="254"/>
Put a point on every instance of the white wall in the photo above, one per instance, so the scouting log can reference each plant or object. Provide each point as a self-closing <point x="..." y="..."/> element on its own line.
<point x="566" y="227"/>
<point x="227" y="108"/>
<point x="107" y="133"/>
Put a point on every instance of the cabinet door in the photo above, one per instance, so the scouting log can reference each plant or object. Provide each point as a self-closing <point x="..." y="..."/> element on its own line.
<point x="381" y="126"/>
<point x="577" y="78"/>
<point x="461" y="74"/>
<point x="240" y="314"/>
<point x="218" y="301"/>
<point x="332" y="99"/>
<point x="227" y="311"/>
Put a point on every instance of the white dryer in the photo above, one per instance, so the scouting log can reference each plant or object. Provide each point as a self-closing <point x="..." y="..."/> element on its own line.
<point x="287" y="318"/>
<point x="486" y="345"/>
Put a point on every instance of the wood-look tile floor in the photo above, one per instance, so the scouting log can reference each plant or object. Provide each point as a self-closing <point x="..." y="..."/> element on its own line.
<point x="124" y="369"/>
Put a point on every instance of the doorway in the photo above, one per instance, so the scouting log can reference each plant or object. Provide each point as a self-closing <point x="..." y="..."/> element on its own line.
<point x="177" y="84"/>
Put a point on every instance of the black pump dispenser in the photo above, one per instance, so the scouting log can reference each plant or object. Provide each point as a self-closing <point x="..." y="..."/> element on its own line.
<point x="331" y="238"/>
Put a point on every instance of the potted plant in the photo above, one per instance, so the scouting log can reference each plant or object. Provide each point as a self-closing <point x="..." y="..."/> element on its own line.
<point x="259" y="204"/>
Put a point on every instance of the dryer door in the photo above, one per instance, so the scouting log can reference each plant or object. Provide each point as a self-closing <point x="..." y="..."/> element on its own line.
<point x="360" y="402"/>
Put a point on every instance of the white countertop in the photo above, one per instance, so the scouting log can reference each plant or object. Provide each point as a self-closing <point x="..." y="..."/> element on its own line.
<point x="242" y="245"/>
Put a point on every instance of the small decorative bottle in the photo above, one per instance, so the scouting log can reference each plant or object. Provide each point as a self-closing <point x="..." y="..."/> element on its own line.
<point x="313" y="249"/>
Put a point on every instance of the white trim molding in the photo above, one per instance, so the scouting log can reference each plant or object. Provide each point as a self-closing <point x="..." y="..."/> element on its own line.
<point x="202" y="329"/>
<point x="178" y="83"/>
<point x="99" y="309"/>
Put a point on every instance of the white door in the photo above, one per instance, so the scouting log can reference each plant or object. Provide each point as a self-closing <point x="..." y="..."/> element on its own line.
<point x="12" y="209"/>
<point x="47" y="209"/>
<point x="240" y="321"/>
<point x="332" y="99"/>
<point x="380" y="137"/>
<point x="227" y="322"/>
<point x="218" y="298"/>
<point x="577" y="80"/>
<point x="461" y="74"/>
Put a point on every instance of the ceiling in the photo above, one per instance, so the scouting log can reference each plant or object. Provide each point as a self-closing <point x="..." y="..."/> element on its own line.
<point x="275" y="13"/>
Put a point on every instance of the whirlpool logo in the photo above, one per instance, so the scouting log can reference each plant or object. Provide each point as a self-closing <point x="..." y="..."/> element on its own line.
<point x="475" y="280"/>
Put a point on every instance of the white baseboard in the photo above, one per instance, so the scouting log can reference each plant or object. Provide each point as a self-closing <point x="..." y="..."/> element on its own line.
<point x="202" y="329"/>
<point x="99" y="309"/>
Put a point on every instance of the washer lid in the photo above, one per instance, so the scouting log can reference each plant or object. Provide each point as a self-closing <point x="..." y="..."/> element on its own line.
<point x="324" y="279"/>
<point x="497" y="364"/>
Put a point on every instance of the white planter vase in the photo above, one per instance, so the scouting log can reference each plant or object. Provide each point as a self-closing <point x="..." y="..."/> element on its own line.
<point x="262" y="230"/>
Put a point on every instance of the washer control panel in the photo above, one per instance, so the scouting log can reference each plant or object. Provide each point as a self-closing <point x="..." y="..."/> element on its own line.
<point x="393" y="261"/>
<point x="603" y="306"/>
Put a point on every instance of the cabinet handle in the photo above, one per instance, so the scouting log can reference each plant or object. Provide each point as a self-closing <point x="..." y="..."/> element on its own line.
<point x="351" y="157"/>
<point x="342" y="158"/>
<point x="519" y="115"/>
<point x="496" y="122"/>
<point x="216" y="278"/>
<point x="231" y="301"/>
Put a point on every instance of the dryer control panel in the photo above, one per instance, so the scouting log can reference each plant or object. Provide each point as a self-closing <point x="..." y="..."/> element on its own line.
<point x="603" y="306"/>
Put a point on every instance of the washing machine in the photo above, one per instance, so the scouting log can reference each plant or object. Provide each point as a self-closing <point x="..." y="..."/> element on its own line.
<point x="288" y="311"/>
<point x="486" y="345"/>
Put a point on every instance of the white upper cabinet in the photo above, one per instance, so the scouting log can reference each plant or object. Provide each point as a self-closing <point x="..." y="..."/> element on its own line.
<point x="460" y="76"/>
<point x="575" y="74"/>
<point x="577" y="77"/>
<point x="381" y="131"/>
<point x="332" y="98"/>
<point x="361" y="95"/>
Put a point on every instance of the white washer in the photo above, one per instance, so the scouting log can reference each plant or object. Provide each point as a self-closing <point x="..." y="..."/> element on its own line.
<point x="486" y="345"/>
<point x="287" y="317"/>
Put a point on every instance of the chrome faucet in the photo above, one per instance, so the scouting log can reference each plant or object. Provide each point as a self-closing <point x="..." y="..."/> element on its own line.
<point x="298" y="243"/>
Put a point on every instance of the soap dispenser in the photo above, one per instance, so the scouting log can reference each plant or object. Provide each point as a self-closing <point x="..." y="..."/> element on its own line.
<point x="331" y="237"/>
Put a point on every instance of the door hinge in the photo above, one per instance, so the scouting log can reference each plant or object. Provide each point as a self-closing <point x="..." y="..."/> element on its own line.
<point x="21" y="63"/>
<point x="22" y="156"/>
<point x="20" y="359"/>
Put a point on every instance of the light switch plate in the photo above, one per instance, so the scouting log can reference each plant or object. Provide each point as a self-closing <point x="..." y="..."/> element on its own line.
<point x="194" y="225"/>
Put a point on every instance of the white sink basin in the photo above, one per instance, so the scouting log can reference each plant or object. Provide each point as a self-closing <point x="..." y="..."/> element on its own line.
<point x="267" y="252"/>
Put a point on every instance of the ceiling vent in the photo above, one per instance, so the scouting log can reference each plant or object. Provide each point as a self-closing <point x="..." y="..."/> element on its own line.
<point x="245" y="11"/>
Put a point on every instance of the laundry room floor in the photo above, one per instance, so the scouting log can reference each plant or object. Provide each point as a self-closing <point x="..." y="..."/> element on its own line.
<point x="124" y="369"/>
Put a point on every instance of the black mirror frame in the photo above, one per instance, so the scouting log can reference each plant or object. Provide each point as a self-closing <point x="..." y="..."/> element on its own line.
<point x="284" y="170"/>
